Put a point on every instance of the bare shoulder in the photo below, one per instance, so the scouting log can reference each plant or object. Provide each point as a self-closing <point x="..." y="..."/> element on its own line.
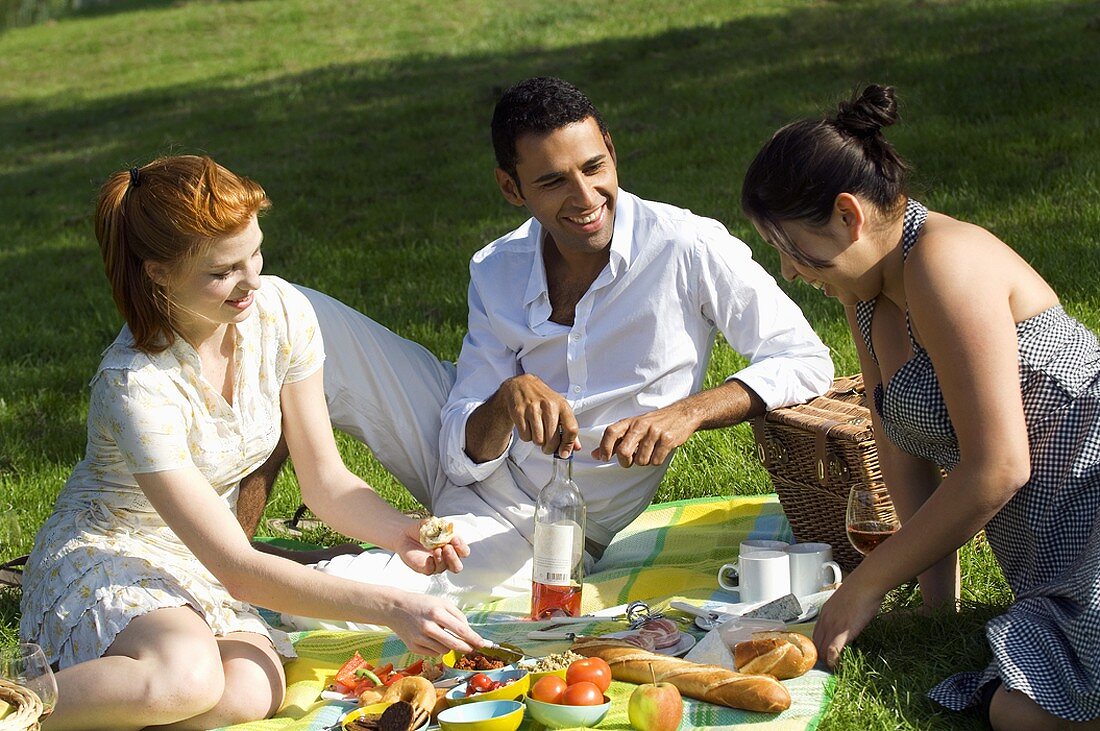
<point x="947" y="243"/>
<point x="955" y="259"/>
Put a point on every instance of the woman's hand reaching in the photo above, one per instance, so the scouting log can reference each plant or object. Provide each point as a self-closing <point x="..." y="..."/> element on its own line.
<point x="843" y="617"/>
<point x="430" y="625"/>
<point x="429" y="562"/>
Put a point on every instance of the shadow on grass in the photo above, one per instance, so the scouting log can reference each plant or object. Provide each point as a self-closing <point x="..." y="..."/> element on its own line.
<point x="367" y="160"/>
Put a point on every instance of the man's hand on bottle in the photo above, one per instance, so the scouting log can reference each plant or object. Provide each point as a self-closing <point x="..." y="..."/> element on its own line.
<point x="540" y="414"/>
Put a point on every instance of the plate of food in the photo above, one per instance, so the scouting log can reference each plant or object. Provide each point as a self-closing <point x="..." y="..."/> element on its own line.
<point x="787" y="609"/>
<point x="662" y="636"/>
<point x="407" y="705"/>
<point x="362" y="682"/>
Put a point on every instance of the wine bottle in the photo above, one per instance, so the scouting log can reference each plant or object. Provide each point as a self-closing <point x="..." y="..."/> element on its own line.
<point x="557" y="575"/>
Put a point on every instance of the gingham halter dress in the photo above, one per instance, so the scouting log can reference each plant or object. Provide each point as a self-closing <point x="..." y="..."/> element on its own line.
<point x="1047" y="538"/>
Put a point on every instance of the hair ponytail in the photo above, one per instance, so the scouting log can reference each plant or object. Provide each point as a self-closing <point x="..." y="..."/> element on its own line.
<point x="165" y="212"/>
<point x="800" y="171"/>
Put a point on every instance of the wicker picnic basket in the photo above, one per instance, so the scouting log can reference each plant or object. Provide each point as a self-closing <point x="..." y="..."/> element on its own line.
<point x="25" y="707"/>
<point x="816" y="453"/>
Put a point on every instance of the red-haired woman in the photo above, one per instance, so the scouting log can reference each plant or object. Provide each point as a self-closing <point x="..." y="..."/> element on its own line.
<point x="141" y="584"/>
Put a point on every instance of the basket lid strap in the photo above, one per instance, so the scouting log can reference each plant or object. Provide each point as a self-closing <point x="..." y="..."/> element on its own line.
<point x="821" y="450"/>
<point x="761" y="439"/>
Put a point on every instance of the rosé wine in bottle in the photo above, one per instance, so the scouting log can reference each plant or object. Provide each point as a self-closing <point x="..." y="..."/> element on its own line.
<point x="557" y="574"/>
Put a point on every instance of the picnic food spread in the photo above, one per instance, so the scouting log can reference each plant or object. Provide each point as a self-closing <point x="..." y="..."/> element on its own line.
<point x="710" y="683"/>
<point x="580" y="678"/>
<point x="783" y="655"/>
<point x="436" y="532"/>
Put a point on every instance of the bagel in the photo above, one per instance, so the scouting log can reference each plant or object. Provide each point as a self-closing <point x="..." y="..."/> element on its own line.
<point x="416" y="691"/>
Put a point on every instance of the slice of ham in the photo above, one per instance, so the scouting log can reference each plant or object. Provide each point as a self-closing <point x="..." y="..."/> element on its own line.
<point x="641" y="640"/>
<point x="664" y="632"/>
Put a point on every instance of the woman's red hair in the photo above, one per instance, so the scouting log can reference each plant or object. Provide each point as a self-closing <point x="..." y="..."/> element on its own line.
<point x="165" y="212"/>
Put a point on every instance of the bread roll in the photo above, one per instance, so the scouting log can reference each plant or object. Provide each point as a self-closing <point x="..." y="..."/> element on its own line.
<point x="711" y="683"/>
<point x="436" y="532"/>
<point x="782" y="655"/>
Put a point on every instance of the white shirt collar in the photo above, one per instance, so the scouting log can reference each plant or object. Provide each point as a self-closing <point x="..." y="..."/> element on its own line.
<point x="622" y="250"/>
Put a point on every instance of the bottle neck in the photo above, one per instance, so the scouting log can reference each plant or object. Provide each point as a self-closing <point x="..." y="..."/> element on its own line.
<point x="563" y="469"/>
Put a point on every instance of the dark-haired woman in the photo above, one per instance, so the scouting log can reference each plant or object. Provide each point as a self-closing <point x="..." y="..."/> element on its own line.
<point x="141" y="584"/>
<point x="974" y="368"/>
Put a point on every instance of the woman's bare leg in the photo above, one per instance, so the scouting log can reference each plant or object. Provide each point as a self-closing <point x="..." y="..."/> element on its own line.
<point x="1015" y="711"/>
<point x="254" y="683"/>
<point x="164" y="667"/>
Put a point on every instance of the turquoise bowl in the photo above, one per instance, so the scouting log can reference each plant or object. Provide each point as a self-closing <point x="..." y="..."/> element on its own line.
<point x="555" y="715"/>
<point x="485" y="716"/>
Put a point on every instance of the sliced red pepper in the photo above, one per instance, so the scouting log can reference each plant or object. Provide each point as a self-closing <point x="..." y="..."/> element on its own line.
<point x="393" y="678"/>
<point x="387" y="668"/>
<point x="365" y="684"/>
<point x="346" y="674"/>
<point x="415" y="669"/>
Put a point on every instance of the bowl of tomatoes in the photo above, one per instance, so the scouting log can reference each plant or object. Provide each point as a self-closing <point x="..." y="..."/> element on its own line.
<point x="578" y="699"/>
<point x="492" y="685"/>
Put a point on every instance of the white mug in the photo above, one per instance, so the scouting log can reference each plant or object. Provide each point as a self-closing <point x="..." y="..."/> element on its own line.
<point x="760" y="577"/>
<point x="812" y="568"/>
<point x="756" y="545"/>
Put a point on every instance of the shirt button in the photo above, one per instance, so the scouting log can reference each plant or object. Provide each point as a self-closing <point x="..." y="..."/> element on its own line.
<point x="575" y="337"/>
<point x="576" y="389"/>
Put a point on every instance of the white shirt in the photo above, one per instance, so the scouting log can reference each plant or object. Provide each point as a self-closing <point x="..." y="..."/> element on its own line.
<point x="641" y="339"/>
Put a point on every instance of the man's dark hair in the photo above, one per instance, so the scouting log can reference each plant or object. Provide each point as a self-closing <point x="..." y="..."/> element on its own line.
<point x="537" y="106"/>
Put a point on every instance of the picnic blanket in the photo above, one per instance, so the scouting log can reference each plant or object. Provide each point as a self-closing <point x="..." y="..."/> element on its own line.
<point x="671" y="551"/>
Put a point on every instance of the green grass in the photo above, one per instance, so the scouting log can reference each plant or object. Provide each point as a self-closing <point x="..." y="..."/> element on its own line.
<point x="367" y="124"/>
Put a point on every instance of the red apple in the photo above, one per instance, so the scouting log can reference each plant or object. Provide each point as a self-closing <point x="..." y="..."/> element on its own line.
<point x="655" y="707"/>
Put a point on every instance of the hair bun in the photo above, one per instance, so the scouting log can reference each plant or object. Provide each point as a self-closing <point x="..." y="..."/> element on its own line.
<point x="865" y="115"/>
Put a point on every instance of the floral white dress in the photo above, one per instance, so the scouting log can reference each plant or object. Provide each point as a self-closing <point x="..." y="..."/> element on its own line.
<point x="105" y="555"/>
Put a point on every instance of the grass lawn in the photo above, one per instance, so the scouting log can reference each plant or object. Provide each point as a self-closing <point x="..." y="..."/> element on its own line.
<point x="367" y="123"/>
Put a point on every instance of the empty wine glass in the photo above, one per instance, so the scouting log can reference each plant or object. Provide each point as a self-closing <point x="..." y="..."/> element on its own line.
<point x="25" y="664"/>
<point x="871" y="518"/>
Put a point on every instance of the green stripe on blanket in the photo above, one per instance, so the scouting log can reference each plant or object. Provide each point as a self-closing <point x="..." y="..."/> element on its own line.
<point x="673" y="550"/>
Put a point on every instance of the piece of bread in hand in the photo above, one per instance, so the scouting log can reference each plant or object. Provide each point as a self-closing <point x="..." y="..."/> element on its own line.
<point x="783" y="655"/>
<point x="436" y="532"/>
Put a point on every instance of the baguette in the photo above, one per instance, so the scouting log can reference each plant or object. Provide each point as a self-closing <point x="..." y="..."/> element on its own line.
<point x="783" y="655"/>
<point x="710" y="683"/>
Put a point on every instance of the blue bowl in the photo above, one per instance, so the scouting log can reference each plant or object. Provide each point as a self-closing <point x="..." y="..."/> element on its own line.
<point x="487" y="716"/>
<point x="556" y="715"/>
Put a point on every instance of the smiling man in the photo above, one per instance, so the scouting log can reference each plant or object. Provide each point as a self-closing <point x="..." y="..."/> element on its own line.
<point x="590" y="329"/>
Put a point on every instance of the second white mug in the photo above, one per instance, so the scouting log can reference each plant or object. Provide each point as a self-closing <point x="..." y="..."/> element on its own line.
<point x="812" y="568"/>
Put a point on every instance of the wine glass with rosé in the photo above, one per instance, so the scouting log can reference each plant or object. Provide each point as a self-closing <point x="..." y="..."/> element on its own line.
<point x="25" y="665"/>
<point x="871" y="518"/>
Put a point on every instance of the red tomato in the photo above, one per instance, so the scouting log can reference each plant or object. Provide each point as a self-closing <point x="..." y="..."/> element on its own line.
<point x="480" y="682"/>
<point x="549" y="689"/>
<point x="591" y="669"/>
<point x="583" y="693"/>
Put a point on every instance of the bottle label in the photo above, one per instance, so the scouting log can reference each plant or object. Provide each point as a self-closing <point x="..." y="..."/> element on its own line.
<point x="553" y="562"/>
